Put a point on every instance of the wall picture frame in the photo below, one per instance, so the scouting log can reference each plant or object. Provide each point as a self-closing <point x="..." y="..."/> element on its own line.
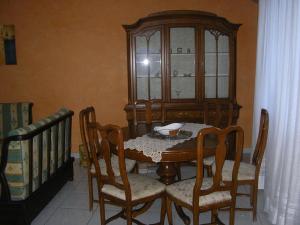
<point x="7" y="45"/>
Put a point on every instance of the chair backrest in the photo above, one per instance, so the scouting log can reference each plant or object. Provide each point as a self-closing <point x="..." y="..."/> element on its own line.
<point x="148" y="111"/>
<point x="220" y="155"/>
<point x="86" y="116"/>
<point x="261" y="139"/>
<point x="109" y="139"/>
<point x="216" y="113"/>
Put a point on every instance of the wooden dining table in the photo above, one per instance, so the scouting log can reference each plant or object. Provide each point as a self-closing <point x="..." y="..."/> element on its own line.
<point x="170" y="158"/>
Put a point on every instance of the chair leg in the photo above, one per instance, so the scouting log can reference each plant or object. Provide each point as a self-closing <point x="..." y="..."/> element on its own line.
<point x="251" y="195"/>
<point x="213" y="216"/>
<point x="136" y="169"/>
<point x="163" y="210"/>
<point x="254" y="196"/>
<point x="91" y="194"/>
<point x="178" y="171"/>
<point x="102" y="209"/>
<point x="209" y="171"/>
<point x="169" y="211"/>
<point x="231" y="216"/>
<point x="195" y="217"/>
<point x="129" y="215"/>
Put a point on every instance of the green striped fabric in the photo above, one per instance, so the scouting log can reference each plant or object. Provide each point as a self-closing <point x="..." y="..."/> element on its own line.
<point x="17" y="169"/>
<point x="13" y="116"/>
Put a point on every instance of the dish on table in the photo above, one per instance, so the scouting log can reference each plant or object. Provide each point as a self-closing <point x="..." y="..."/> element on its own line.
<point x="182" y="134"/>
<point x="169" y="130"/>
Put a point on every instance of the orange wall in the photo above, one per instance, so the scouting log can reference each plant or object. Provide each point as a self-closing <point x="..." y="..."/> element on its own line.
<point x="72" y="53"/>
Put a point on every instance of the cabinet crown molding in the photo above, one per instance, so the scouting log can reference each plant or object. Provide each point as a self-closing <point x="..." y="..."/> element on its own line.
<point x="177" y="14"/>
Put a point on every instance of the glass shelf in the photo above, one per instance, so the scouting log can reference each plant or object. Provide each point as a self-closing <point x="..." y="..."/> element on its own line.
<point x="146" y="76"/>
<point x="149" y="53"/>
<point x="214" y="75"/>
<point x="182" y="76"/>
<point x="141" y="62"/>
<point x="191" y="54"/>
<point x="214" y="53"/>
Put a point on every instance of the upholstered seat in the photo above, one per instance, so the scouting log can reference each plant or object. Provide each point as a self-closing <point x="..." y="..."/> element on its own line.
<point x="17" y="168"/>
<point x="203" y="194"/>
<point x="183" y="191"/>
<point x="130" y="164"/>
<point x="209" y="161"/>
<point x="88" y="115"/>
<point x="126" y="190"/>
<point x="246" y="171"/>
<point x="141" y="187"/>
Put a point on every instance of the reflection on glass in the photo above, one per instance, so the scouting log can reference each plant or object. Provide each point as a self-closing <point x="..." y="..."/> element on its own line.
<point x="148" y="65"/>
<point x="216" y="65"/>
<point x="146" y="62"/>
<point x="182" y="56"/>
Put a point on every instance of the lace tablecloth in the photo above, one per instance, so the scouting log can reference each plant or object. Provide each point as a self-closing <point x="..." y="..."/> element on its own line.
<point x="154" y="147"/>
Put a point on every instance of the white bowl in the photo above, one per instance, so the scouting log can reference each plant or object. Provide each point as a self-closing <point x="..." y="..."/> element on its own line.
<point x="165" y="130"/>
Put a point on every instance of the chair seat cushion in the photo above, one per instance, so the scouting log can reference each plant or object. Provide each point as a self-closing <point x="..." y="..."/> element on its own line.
<point x="141" y="187"/>
<point x="115" y="165"/>
<point x="209" y="161"/>
<point x="183" y="191"/>
<point x="246" y="171"/>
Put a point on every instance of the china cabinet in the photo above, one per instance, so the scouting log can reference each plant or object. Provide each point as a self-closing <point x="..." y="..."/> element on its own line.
<point x="184" y="59"/>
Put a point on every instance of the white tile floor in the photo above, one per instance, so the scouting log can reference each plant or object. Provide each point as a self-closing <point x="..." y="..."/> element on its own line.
<point x="70" y="207"/>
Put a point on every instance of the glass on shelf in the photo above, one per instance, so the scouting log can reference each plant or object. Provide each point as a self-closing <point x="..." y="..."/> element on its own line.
<point x="187" y="74"/>
<point x="178" y="93"/>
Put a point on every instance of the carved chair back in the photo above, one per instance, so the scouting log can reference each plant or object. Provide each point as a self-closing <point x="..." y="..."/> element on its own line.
<point x="262" y="139"/>
<point x="86" y="116"/>
<point x="108" y="139"/>
<point x="148" y="119"/>
<point x="220" y="155"/>
<point x="218" y="114"/>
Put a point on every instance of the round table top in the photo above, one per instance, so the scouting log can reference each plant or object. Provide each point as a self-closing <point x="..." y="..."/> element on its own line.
<point x="181" y="152"/>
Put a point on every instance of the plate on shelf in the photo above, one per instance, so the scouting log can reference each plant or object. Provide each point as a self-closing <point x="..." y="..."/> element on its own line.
<point x="182" y="134"/>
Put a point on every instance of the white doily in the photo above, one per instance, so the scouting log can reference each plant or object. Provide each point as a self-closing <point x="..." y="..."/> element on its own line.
<point x="154" y="147"/>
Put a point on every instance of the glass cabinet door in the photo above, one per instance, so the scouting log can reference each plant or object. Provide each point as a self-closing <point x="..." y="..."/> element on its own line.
<point x="216" y="64"/>
<point x="148" y="65"/>
<point x="182" y="62"/>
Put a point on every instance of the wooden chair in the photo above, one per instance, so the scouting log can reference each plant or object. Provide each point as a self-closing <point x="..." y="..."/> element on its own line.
<point x="148" y="119"/>
<point x="218" y="114"/>
<point x="209" y="194"/>
<point x="151" y="116"/>
<point x="86" y="116"/>
<point x="219" y="119"/>
<point x="249" y="172"/>
<point x="124" y="190"/>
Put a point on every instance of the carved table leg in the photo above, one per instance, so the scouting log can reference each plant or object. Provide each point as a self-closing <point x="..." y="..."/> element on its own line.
<point x="167" y="173"/>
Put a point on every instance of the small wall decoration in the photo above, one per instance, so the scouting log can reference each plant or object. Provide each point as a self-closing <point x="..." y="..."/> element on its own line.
<point x="7" y="45"/>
